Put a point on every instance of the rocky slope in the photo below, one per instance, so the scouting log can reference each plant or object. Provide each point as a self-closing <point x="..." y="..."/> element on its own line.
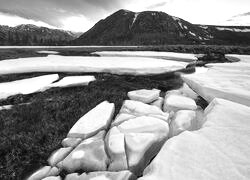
<point x="154" y="28"/>
<point x="28" y="34"/>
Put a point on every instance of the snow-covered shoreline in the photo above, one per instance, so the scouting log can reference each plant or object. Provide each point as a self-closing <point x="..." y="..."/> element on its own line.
<point x="229" y="81"/>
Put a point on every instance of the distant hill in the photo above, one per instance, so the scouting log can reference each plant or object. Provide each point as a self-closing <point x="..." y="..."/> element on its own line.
<point x="28" y="34"/>
<point x="156" y="28"/>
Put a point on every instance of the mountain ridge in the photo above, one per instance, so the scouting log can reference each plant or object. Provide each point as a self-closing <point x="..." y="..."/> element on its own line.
<point x="29" y="34"/>
<point x="125" y="27"/>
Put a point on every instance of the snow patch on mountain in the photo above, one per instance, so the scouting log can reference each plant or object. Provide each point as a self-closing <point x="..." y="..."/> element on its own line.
<point x="176" y="18"/>
<point x="180" y="25"/>
<point x="204" y="27"/>
<point x="179" y="22"/>
<point x="135" y="18"/>
<point x="233" y="29"/>
<point x="193" y="34"/>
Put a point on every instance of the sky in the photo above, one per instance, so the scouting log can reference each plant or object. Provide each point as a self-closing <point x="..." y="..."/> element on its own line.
<point x="80" y="15"/>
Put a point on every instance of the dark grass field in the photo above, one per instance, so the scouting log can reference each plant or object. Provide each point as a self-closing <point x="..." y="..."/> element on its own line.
<point x="30" y="132"/>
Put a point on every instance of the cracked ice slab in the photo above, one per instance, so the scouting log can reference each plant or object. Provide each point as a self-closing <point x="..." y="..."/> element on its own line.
<point x="131" y="109"/>
<point x="144" y="95"/>
<point x="144" y="137"/>
<point x="115" y="145"/>
<point x="150" y="54"/>
<point x="26" y="86"/>
<point x="102" y="175"/>
<point x="219" y="150"/>
<point x="113" y="65"/>
<point x="94" y="121"/>
<point x="88" y="156"/>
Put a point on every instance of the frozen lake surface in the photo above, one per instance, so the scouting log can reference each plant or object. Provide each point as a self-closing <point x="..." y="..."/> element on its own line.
<point x="40" y="84"/>
<point x="229" y="81"/>
<point x="78" y="64"/>
<point x="26" y="86"/>
<point x="186" y="57"/>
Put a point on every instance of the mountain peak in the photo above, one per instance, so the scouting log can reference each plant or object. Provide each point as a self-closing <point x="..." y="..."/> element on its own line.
<point x="124" y="10"/>
<point x="147" y="27"/>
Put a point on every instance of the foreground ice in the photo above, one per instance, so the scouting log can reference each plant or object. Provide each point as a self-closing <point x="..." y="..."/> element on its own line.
<point x="102" y="175"/>
<point x="144" y="95"/>
<point x="184" y="120"/>
<point x="46" y="171"/>
<point x="175" y="102"/>
<point x="151" y="54"/>
<point x="26" y="86"/>
<point x="114" y="65"/>
<point x="95" y="120"/>
<point x="229" y="81"/>
<point x="220" y="150"/>
<point x="88" y="156"/>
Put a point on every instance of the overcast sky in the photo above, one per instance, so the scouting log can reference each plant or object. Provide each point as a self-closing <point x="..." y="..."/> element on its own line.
<point x="80" y="15"/>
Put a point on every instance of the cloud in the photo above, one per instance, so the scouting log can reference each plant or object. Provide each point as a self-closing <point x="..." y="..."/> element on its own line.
<point x="242" y="19"/>
<point x="11" y="20"/>
<point x="241" y="15"/>
<point x="157" y="5"/>
<point x="53" y="12"/>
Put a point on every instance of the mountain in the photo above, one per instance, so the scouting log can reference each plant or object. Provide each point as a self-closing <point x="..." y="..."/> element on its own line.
<point x="228" y="35"/>
<point x="28" y="34"/>
<point x="156" y="28"/>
